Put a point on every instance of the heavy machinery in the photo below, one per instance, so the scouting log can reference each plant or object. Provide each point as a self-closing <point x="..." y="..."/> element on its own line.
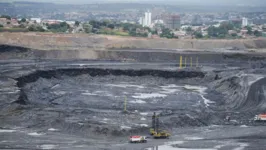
<point x="137" y="139"/>
<point x="155" y="131"/>
<point x="260" y="117"/>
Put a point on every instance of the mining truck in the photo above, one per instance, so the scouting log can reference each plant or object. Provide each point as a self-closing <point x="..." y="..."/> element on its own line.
<point x="260" y="117"/>
<point x="137" y="139"/>
<point x="155" y="130"/>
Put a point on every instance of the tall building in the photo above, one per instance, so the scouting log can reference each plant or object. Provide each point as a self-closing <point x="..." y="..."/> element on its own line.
<point x="147" y="19"/>
<point x="141" y="21"/>
<point x="172" y="21"/>
<point x="244" y="22"/>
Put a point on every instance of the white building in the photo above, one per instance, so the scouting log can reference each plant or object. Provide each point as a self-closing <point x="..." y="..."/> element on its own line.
<point x="244" y="22"/>
<point x="141" y="21"/>
<point x="70" y="22"/>
<point x="158" y="21"/>
<point x="147" y="19"/>
<point x="38" y="20"/>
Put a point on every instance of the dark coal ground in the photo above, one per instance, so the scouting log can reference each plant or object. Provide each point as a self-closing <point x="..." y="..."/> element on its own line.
<point x="78" y="104"/>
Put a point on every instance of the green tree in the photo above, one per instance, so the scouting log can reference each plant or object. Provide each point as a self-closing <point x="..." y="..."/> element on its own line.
<point x="198" y="35"/>
<point x="145" y="34"/>
<point x="154" y="32"/>
<point x="35" y="28"/>
<point x="189" y="30"/>
<point x="147" y="28"/>
<point x="212" y="31"/>
<point x="167" y="33"/>
<point x="126" y="26"/>
<point x="1" y="26"/>
<point x="39" y="29"/>
<point x="249" y="30"/>
<point x="234" y="35"/>
<point x="6" y="16"/>
<point x="62" y="27"/>
<point x="22" y="26"/>
<point x="220" y="31"/>
<point x="111" y="26"/>
<point x="87" y="27"/>
<point x="31" y="28"/>
<point x="105" y="23"/>
<point x="77" y="23"/>
<point x="257" y="33"/>
<point x="221" y="36"/>
<point x="132" y="33"/>
<point x="23" y="20"/>
<point x="227" y="26"/>
<point x="95" y="24"/>
<point x="64" y="24"/>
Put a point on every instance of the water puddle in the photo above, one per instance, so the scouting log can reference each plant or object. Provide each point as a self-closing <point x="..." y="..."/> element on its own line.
<point x="36" y="134"/>
<point x="48" y="146"/>
<point x="6" y="131"/>
<point x="52" y="129"/>
<point x="138" y="101"/>
<point x="148" y="95"/>
<point x="171" y="146"/>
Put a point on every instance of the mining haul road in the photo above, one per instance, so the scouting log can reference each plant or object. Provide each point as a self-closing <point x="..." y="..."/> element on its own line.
<point x="50" y="103"/>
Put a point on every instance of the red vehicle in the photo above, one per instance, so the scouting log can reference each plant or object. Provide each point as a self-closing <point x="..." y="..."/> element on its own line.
<point x="260" y="117"/>
<point x="137" y="139"/>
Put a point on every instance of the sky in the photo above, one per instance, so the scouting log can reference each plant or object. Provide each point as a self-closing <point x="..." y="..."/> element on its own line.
<point x="191" y="2"/>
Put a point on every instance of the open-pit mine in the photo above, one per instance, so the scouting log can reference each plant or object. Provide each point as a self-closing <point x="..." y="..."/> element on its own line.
<point x="58" y="100"/>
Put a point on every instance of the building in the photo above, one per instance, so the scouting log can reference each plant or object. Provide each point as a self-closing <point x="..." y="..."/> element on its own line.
<point x="3" y="21"/>
<point x="14" y="22"/>
<point x="147" y="19"/>
<point x="37" y="20"/>
<point x="259" y="21"/>
<point x="180" y="33"/>
<point x="263" y="28"/>
<point x="244" y="22"/>
<point x="158" y="21"/>
<point x="263" y="34"/>
<point x="232" y="32"/>
<point x="141" y="21"/>
<point x="52" y="21"/>
<point x="172" y="21"/>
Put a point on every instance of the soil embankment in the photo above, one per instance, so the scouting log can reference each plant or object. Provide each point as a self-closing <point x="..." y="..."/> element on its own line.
<point x="49" y="41"/>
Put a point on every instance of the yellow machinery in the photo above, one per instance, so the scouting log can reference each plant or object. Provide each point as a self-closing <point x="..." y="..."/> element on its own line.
<point x="155" y="131"/>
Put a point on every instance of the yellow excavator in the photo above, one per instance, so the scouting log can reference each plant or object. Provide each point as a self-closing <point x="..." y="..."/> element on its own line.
<point x="155" y="131"/>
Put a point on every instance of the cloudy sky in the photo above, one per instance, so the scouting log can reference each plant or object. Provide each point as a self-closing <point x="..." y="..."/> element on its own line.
<point x="216" y="2"/>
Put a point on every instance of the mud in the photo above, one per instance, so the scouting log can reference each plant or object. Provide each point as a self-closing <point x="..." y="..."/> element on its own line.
<point x="78" y="104"/>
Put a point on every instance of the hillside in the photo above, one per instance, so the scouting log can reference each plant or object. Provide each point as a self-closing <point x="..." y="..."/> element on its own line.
<point x="49" y="41"/>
